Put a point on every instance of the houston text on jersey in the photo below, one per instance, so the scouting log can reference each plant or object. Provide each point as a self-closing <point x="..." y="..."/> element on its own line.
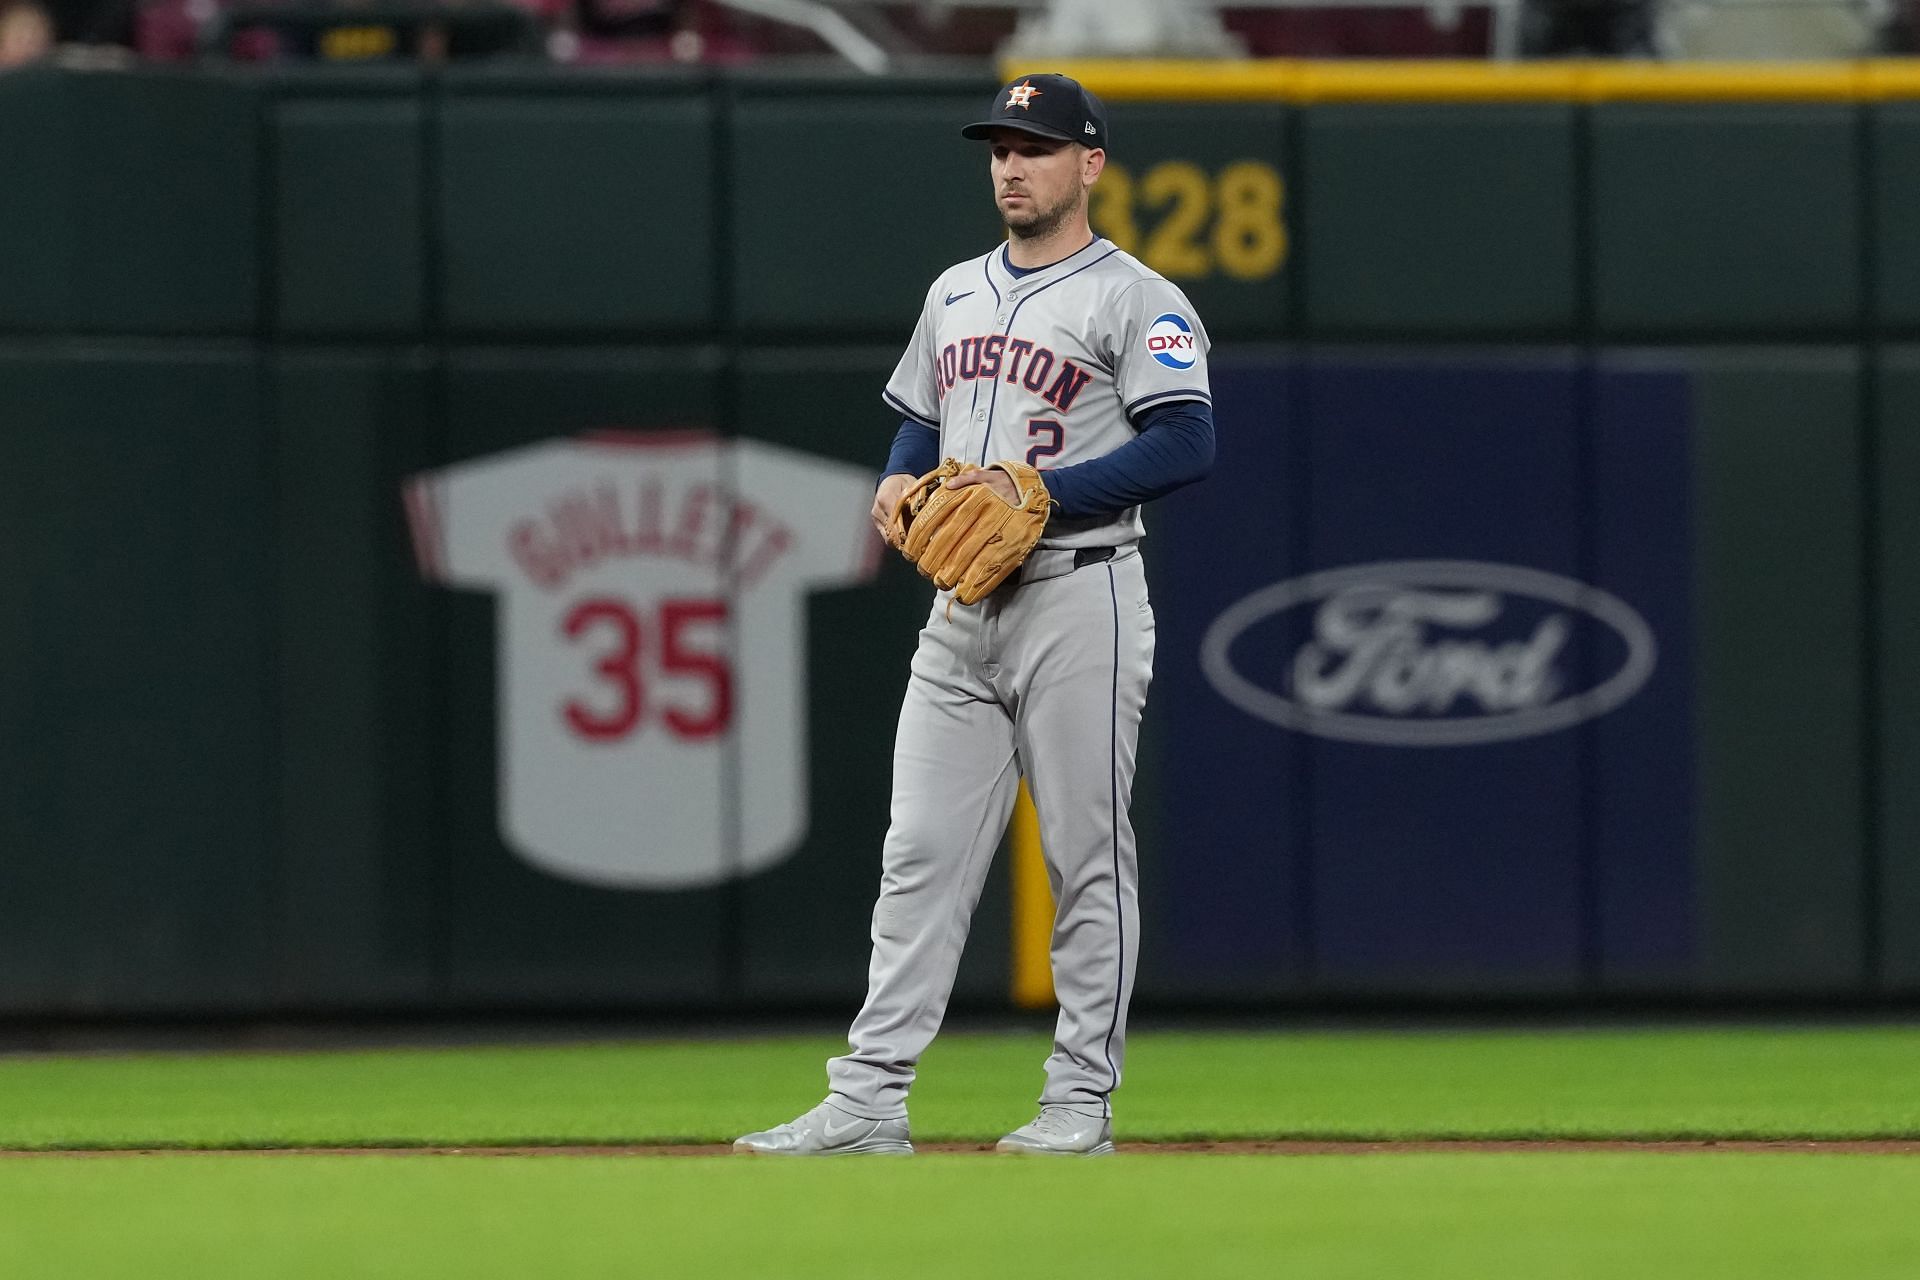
<point x="1018" y="360"/>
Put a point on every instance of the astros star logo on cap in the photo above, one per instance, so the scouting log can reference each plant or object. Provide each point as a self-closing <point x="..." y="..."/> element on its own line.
<point x="1022" y="95"/>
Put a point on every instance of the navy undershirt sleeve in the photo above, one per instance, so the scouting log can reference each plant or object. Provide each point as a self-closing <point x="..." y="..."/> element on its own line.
<point x="1174" y="447"/>
<point x="916" y="450"/>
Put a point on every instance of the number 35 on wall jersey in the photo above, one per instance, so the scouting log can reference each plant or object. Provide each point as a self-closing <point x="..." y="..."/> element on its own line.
<point x="651" y="593"/>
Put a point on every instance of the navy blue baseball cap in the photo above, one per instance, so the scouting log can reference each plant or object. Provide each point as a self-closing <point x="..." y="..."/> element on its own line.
<point x="1048" y="105"/>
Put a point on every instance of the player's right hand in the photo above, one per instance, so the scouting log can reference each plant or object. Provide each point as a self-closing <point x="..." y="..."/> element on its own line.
<point x="886" y="498"/>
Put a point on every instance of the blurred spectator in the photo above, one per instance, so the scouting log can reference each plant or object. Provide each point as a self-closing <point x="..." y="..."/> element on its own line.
<point x="1589" y="29"/>
<point x="632" y="19"/>
<point x="649" y="31"/>
<point x="344" y="31"/>
<point x="1329" y="31"/>
<point x="91" y="22"/>
<point x="26" y="32"/>
<point x="1123" y="29"/>
<point x="169" y="30"/>
<point x="1902" y="32"/>
<point x="948" y="31"/>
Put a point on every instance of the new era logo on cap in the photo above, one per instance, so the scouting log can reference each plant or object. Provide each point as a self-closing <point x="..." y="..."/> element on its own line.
<point x="1051" y="106"/>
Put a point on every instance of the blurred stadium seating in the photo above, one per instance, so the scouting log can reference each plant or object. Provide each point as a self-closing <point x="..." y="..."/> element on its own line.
<point x="875" y="35"/>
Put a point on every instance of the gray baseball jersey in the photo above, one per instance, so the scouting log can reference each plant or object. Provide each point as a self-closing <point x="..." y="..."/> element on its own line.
<point x="1045" y="679"/>
<point x="1050" y="367"/>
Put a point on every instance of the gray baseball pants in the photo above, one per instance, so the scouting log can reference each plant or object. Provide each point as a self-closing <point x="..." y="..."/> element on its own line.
<point x="1045" y="678"/>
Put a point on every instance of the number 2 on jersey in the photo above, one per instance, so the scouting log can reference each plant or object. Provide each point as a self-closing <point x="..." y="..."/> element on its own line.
<point x="1054" y="434"/>
<point x="625" y="705"/>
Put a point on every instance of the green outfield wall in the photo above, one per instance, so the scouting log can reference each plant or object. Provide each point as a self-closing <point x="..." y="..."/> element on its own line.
<point x="251" y="756"/>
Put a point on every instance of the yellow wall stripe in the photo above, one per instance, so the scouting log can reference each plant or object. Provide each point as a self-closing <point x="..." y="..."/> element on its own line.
<point x="1032" y="909"/>
<point x="1302" y="81"/>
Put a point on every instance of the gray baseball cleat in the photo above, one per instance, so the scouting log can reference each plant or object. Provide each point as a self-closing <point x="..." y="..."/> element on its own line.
<point x="828" y="1131"/>
<point x="1056" y="1131"/>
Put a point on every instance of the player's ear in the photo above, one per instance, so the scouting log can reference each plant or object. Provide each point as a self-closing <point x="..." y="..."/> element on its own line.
<point x="1092" y="161"/>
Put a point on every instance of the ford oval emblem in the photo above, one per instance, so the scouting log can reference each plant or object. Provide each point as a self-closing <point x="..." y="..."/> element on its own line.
<point x="1432" y="653"/>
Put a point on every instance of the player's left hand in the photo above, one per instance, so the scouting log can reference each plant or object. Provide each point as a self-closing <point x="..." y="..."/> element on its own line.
<point x="886" y="498"/>
<point x="999" y="481"/>
<point x="969" y="543"/>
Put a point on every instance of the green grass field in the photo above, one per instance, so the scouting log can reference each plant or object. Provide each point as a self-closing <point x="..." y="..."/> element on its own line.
<point x="1575" y="1214"/>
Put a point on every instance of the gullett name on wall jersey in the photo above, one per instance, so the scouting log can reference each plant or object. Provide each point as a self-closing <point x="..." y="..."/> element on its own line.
<point x="697" y="523"/>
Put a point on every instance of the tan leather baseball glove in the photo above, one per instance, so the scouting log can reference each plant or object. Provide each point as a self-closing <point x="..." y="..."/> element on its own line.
<point x="969" y="540"/>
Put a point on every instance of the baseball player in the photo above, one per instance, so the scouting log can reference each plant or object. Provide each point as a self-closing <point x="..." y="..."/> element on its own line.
<point x="1059" y="351"/>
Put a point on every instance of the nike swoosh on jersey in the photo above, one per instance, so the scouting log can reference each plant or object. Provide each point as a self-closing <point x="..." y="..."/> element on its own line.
<point x="955" y="297"/>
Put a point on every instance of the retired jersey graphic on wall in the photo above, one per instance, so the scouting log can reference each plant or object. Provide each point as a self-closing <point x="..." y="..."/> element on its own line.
<point x="651" y="596"/>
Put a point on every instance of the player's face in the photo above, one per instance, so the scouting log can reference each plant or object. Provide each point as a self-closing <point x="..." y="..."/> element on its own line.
<point x="1039" y="183"/>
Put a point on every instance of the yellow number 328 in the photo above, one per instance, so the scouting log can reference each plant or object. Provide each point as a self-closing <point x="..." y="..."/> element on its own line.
<point x="1246" y="240"/>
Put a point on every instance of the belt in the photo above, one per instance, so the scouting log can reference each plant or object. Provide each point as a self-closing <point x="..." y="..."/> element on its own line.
<point x="1057" y="563"/>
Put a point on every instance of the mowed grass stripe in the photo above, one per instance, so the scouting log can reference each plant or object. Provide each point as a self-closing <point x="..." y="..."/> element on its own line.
<point x="1435" y="1217"/>
<point x="1751" y="1083"/>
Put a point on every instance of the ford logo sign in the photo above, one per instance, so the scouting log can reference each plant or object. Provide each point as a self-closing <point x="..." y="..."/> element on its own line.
<point x="1428" y="653"/>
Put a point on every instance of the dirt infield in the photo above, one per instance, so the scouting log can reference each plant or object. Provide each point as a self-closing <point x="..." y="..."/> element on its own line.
<point x="1900" y="1147"/>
